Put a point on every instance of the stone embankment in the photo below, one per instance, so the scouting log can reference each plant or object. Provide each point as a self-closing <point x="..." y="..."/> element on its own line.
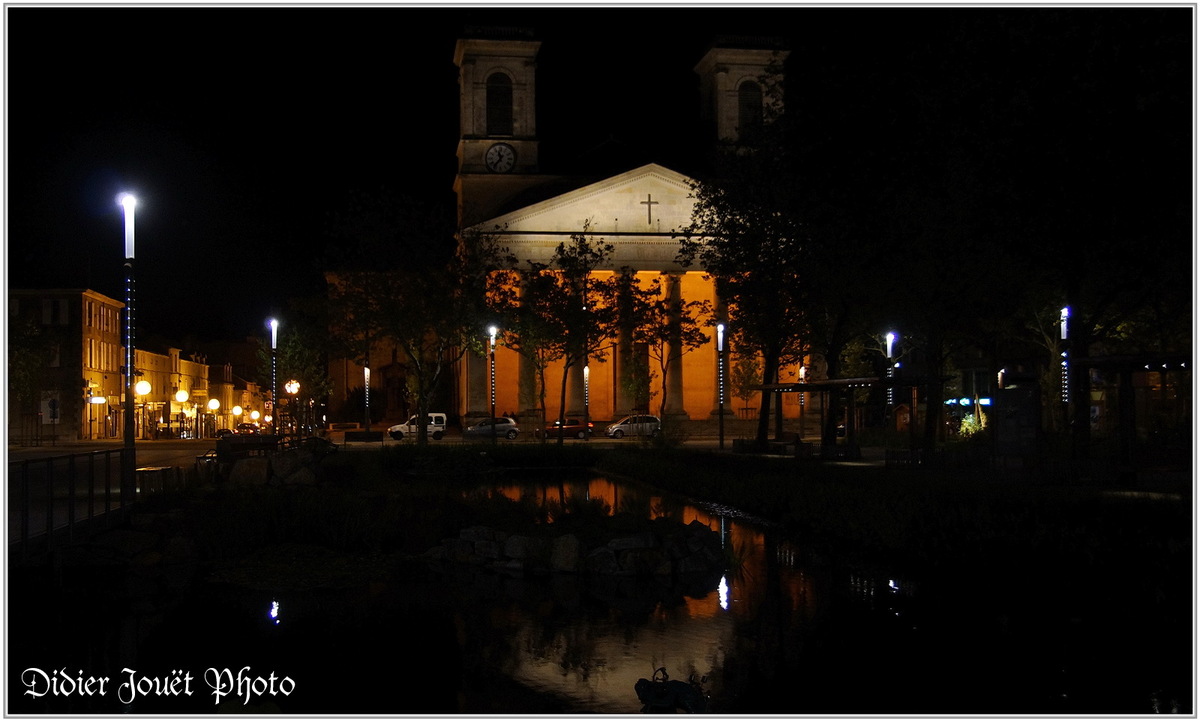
<point x="666" y="549"/>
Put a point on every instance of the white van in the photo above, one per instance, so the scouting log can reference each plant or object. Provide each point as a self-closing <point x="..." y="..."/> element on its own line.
<point x="436" y="427"/>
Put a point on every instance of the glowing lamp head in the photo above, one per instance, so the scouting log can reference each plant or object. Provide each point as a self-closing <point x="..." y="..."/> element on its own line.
<point x="181" y="395"/>
<point x="236" y="410"/>
<point x="141" y="388"/>
<point x="214" y="404"/>
<point x="128" y="202"/>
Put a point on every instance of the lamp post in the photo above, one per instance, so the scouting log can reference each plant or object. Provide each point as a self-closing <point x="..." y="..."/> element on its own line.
<point x="721" y="386"/>
<point x="274" y="362"/>
<point x="142" y="389"/>
<point x="213" y="405"/>
<point x="292" y="387"/>
<point x="181" y="397"/>
<point x="128" y="202"/>
<point x="587" y="407"/>
<point x="492" y="330"/>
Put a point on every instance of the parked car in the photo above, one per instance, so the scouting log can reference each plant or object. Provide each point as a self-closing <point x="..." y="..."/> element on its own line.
<point x="634" y="425"/>
<point x="571" y="429"/>
<point x="224" y="433"/>
<point x="246" y="428"/>
<point x="436" y="427"/>
<point x="506" y="428"/>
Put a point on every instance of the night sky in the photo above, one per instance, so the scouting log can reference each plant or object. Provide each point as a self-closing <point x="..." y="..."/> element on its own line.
<point x="242" y="129"/>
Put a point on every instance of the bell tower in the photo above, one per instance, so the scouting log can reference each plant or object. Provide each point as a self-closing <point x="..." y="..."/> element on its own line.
<point x="497" y="145"/>
<point x="740" y="86"/>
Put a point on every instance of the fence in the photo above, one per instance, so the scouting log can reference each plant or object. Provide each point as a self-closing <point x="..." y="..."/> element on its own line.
<point x="67" y="498"/>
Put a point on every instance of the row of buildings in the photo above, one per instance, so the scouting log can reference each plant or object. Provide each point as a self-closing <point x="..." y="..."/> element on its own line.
<point x="75" y="387"/>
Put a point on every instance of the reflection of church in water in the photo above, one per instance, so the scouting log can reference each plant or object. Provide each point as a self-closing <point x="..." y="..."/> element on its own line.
<point x="501" y="190"/>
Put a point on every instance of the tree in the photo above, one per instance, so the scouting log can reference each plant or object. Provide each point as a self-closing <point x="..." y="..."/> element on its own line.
<point x="669" y="327"/>
<point x="440" y="316"/>
<point x="302" y="356"/>
<point x="746" y="234"/>
<point x="560" y="312"/>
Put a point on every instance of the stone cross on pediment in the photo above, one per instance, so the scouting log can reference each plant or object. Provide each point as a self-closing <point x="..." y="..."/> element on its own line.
<point x="649" y="208"/>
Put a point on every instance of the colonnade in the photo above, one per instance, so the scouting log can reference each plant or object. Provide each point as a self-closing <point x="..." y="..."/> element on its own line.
<point x="690" y="390"/>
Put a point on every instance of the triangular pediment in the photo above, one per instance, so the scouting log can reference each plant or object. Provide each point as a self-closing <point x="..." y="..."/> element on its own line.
<point x="638" y="212"/>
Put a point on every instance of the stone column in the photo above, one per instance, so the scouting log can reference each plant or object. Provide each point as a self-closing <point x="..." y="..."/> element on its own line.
<point x="623" y="361"/>
<point x="528" y="399"/>
<point x="674" y="389"/>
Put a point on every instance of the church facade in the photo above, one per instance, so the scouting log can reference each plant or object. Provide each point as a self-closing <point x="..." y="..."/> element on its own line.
<point x="502" y="192"/>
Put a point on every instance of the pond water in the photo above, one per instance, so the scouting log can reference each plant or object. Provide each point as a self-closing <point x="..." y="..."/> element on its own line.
<point x="781" y="633"/>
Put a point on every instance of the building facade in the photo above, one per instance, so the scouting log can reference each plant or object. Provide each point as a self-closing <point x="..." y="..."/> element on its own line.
<point x="503" y="193"/>
<point x="66" y="381"/>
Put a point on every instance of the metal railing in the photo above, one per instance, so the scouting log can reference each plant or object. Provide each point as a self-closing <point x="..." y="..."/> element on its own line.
<point x="68" y="498"/>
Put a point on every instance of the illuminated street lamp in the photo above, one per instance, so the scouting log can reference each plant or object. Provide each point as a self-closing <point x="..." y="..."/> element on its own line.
<point x="128" y="202"/>
<point x="587" y="419"/>
<point x="492" y="330"/>
<point x="181" y="397"/>
<point x="721" y="386"/>
<point x="891" y="371"/>
<point x="292" y="387"/>
<point x="213" y="405"/>
<point x="142" y="389"/>
<point x="274" y="356"/>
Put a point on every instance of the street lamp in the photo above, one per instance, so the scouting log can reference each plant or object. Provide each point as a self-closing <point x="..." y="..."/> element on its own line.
<point x="587" y="419"/>
<point x="213" y="405"/>
<point x="274" y="355"/>
<point x="492" y="372"/>
<point x="721" y="386"/>
<point x="128" y="202"/>
<point x="142" y="389"/>
<point x="292" y="387"/>
<point x="891" y="371"/>
<point x="181" y="397"/>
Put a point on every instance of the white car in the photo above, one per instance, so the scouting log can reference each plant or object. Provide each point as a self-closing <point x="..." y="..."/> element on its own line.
<point x="634" y="425"/>
<point x="436" y="427"/>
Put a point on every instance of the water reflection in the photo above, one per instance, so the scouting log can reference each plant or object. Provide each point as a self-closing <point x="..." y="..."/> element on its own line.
<point x="594" y="659"/>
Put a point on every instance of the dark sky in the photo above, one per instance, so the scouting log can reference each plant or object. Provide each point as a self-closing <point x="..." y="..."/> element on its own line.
<point x="241" y="129"/>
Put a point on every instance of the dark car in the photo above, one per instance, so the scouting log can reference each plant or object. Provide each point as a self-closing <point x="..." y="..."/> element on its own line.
<point x="571" y="429"/>
<point x="506" y="428"/>
<point x="224" y="433"/>
<point x="246" y="429"/>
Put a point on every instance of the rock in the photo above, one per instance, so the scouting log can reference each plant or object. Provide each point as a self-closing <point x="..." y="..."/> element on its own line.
<point x="564" y="554"/>
<point x="253" y="471"/>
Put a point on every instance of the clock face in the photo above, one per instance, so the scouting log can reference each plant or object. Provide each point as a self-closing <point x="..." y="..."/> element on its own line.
<point x="500" y="158"/>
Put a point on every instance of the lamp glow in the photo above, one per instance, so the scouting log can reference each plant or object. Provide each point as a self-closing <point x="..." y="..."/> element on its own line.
<point x="213" y="404"/>
<point x="142" y="388"/>
<point x="128" y="202"/>
<point x="181" y="395"/>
